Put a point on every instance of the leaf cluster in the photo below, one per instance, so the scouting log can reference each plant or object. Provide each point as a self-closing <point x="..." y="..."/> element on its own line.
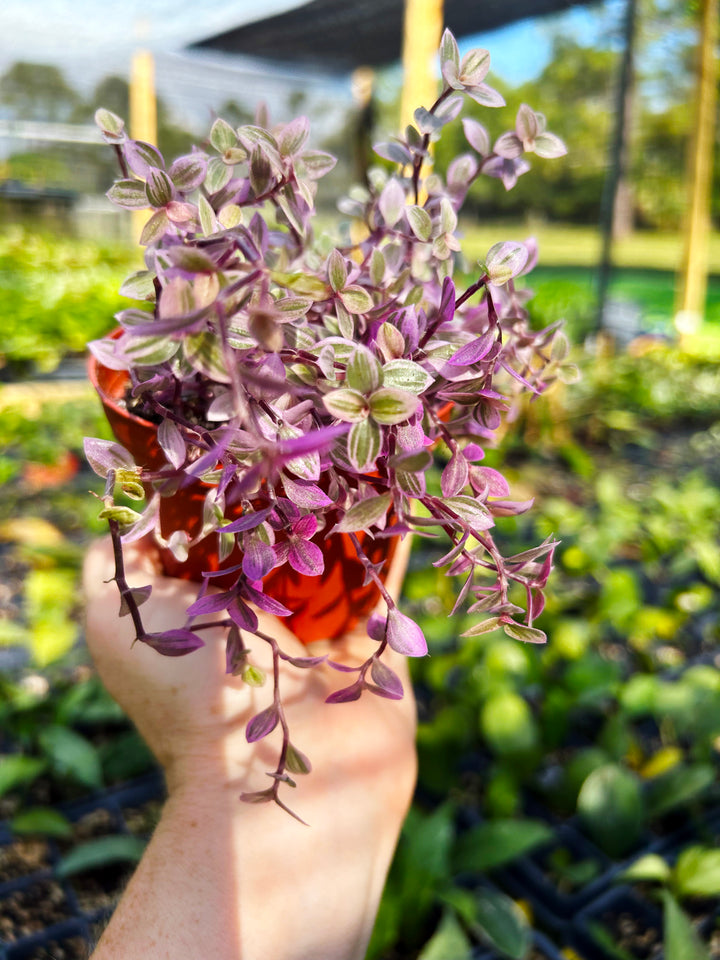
<point x="307" y="384"/>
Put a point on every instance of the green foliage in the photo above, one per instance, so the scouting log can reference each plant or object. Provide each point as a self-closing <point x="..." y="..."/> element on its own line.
<point x="496" y="842"/>
<point x="611" y="807"/>
<point x="44" y="821"/>
<point x="57" y="294"/>
<point x="70" y="733"/>
<point x="100" y="853"/>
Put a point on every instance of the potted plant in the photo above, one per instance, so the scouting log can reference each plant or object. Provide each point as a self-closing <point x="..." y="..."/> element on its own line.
<point x="280" y="400"/>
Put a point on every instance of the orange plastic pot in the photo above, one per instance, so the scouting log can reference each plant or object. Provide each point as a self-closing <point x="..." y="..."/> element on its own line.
<point x="323" y="607"/>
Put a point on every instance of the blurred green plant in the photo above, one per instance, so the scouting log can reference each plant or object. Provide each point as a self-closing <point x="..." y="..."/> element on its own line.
<point x="695" y="876"/>
<point x="57" y="294"/>
<point x="61" y="740"/>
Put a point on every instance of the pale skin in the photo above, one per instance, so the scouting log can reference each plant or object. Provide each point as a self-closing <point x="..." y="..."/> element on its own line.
<point x="228" y="880"/>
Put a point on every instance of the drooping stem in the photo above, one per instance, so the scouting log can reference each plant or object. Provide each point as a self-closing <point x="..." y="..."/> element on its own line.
<point x="126" y="594"/>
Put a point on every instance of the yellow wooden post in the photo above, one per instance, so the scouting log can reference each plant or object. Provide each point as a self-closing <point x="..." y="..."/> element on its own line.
<point x="143" y="113"/>
<point x="421" y="39"/>
<point x="690" y="305"/>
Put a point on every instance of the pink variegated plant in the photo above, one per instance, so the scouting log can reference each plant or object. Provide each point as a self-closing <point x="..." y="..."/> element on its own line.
<point x="317" y="382"/>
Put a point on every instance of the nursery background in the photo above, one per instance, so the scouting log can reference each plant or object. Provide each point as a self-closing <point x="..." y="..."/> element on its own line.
<point x="568" y="801"/>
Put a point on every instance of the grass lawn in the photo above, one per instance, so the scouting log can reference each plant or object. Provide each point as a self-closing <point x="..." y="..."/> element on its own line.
<point x="568" y="245"/>
<point x="565" y="282"/>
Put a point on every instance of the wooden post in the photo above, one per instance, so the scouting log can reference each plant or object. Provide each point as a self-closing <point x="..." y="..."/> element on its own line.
<point x="143" y="114"/>
<point x="692" y="286"/>
<point x="422" y="32"/>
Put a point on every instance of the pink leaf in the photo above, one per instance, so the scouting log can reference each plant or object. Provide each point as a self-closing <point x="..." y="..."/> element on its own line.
<point x="454" y="476"/>
<point x="262" y="724"/>
<point x="388" y="683"/>
<point x="306" y="557"/>
<point x="172" y="443"/>
<point x="404" y="635"/>
<point x="347" y="694"/>
<point x="173" y="643"/>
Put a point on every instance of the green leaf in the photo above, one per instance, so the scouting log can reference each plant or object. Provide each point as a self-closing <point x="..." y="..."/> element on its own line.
<point x="317" y="163"/>
<point x="406" y="375"/>
<point x="678" y="786"/>
<point x="449" y="52"/>
<point x="222" y="135"/>
<point x="159" y="188"/>
<point x="123" y="515"/>
<point x="410" y="482"/>
<point x="230" y="216"/>
<point x="391" y="406"/>
<point x="347" y="405"/>
<point x="129" y="194"/>
<point x="494" y="918"/>
<point x="364" y="445"/>
<point x="110" y="124"/>
<point x="218" y="175"/>
<point x="101" y="852"/>
<point x="139" y="285"/>
<point x="364" y="514"/>
<point x="71" y="754"/>
<point x="650" y="867"/>
<point x="296" y="761"/>
<point x="485" y="626"/>
<point x="337" y="271"/>
<point x="363" y="371"/>
<point x="356" y="299"/>
<point x="496" y="842"/>
<point x="508" y="725"/>
<point x="42" y="820"/>
<point x="681" y="942"/>
<point x="292" y="308"/>
<point x="207" y="216"/>
<point x="448" y="941"/>
<point x="203" y="352"/>
<point x="377" y="267"/>
<point x="697" y="873"/>
<point x="260" y="172"/>
<point x="505" y="260"/>
<point x="154" y="228"/>
<point x="610" y="804"/>
<point x="519" y="631"/>
<point x="17" y="771"/>
<point x="149" y="351"/>
<point x="420" y="222"/>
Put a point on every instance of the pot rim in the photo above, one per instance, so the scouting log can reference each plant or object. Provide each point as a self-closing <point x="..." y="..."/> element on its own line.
<point x="94" y="366"/>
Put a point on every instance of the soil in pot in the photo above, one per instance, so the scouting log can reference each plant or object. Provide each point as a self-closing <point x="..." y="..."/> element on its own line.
<point x="99" y="822"/>
<point x="142" y="820"/>
<point x="23" y="857"/>
<point x="621" y="920"/>
<point x="100" y="888"/>
<point x="32" y="908"/>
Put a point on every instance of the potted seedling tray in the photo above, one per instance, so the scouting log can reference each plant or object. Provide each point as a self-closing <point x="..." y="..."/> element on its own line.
<point x="57" y="892"/>
<point x="563" y="875"/>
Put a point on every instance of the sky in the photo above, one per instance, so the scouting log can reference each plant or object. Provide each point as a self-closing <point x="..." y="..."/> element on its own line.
<point x="89" y="39"/>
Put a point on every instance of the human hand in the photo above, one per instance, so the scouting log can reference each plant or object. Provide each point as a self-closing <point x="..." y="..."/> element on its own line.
<point x="324" y="881"/>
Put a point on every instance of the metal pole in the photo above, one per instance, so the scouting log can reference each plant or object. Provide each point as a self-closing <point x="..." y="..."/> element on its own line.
<point x="617" y="160"/>
<point x="690" y="304"/>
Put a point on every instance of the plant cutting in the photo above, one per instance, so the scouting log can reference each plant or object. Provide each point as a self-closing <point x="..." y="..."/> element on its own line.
<point x="281" y="401"/>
